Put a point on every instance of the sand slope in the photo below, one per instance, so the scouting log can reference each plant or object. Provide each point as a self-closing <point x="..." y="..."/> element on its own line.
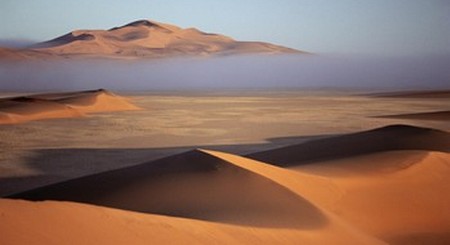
<point x="393" y="137"/>
<point x="391" y="188"/>
<point x="10" y="54"/>
<point x="248" y="201"/>
<point x="400" y="196"/>
<point x="194" y="184"/>
<point x="60" y="105"/>
<point x="52" y="222"/>
<point x="15" y="55"/>
<point x="432" y="115"/>
<point x="21" y="109"/>
<point x="391" y="182"/>
<point x="419" y="94"/>
<point x="146" y="39"/>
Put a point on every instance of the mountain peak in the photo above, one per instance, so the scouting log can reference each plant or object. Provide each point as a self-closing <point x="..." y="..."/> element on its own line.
<point x="142" y="23"/>
<point x="138" y="23"/>
<point x="148" y="24"/>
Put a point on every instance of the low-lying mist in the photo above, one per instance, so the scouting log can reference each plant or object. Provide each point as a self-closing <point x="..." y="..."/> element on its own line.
<point x="242" y="72"/>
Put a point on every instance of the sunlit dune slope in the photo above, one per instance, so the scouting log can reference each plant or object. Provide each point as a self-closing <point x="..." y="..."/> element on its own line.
<point x="399" y="196"/>
<point x="60" y="105"/>
<point x="391" y="182"/>
<point x="53" y="222"/>
<point x="11" y="54"/>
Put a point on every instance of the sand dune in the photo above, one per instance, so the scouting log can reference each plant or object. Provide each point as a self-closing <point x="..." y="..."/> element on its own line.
<point x="21" y="109"/>
<point x="246" y="200"/>
<point x="384" y="185"/>
<point x="61" y="105"/>
<point x="144" y="39"/>
<point x="433" y="115"/>
<point x="207" y="187"/>
<point x="18" y="55"/>
<point x="419" y="94"/>
<point x="394" y="137"/>
<point x="401" y="197"/>
<point x="390" y="182"/>
<point x="103" y="101"/>
<point x="10" y="54"/>
<point x="22" y="223"/>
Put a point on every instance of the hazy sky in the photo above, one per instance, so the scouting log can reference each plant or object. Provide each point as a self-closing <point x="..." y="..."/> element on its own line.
<point x="379" y="27"/>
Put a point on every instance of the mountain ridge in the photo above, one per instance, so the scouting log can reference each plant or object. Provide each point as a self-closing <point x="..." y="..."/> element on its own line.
<point x="144" y="39"/>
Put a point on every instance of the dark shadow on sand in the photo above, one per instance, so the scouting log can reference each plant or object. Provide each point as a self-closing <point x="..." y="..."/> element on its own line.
<point x="61" y="164"/>
<point x="389" y="138"/>
<point x="191" y="184"/>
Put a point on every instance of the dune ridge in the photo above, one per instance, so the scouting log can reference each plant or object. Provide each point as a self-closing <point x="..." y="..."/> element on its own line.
<point x="209" y="188"/>
<point x="406" y="186"/>
<point x="60" y="105"/>
<point x="388" y="138"/>
<point x="391" y="181"/>
<point x="431" y="115"/>
<point x="416" y="94"/>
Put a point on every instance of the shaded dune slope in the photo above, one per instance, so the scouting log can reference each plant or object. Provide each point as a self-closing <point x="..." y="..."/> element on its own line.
<point x="432" y="94"/>
<point x="196" y="185"/>
<point x="21" y="109"/>
<point x="60" y="105"/>
<point x="432" y="115"/>
<point x="393" y="137"/>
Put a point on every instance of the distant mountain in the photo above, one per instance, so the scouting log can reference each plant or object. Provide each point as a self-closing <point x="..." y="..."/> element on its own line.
<point x="142" y="39"/>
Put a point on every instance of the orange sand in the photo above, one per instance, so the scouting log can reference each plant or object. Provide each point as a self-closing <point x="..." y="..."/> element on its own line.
<point x="62" y="105"/>
<point x="387" y="196"/>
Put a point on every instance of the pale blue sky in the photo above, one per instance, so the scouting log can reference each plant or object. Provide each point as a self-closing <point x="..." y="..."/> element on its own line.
<point x="378" y="27"/>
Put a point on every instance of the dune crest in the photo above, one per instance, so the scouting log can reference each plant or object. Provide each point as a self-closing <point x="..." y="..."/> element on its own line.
<point x="419" y="94"/>
<point x="60" y="105"/>
<point x="432" y="115"/>
<point x="388" y="138"/>
<point x="209" y="188"/>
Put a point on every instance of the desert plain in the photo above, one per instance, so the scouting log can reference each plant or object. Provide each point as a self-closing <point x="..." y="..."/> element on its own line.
<point x="225" y="167"/>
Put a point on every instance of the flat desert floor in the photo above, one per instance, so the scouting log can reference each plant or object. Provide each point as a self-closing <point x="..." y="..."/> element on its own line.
<point x="283" y="167"/>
